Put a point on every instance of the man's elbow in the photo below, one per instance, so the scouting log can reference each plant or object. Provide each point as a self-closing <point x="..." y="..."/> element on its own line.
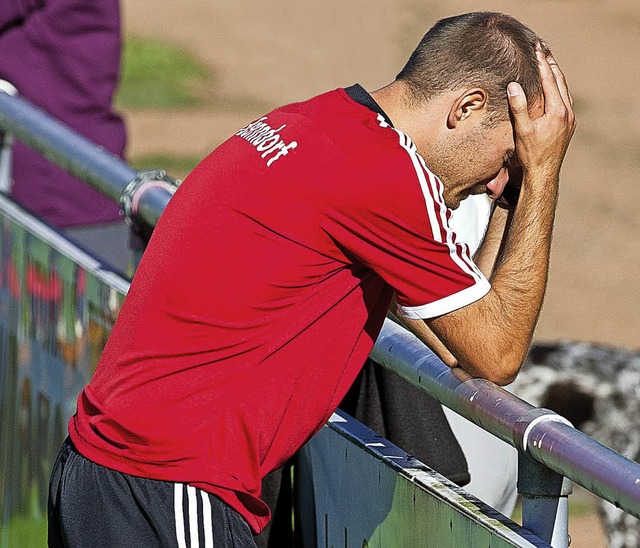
<point x="503" y="376"/>
<point x="501" y="369"/>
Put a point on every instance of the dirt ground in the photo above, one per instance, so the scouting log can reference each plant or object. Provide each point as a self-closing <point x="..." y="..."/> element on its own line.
<point x="268" y="53"/>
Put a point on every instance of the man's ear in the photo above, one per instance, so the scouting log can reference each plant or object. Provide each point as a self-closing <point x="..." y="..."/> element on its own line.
<point x="468" y="102"/>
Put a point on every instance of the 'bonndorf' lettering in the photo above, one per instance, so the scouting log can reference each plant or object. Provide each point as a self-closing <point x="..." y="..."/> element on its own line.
<point x="266" y="140"/>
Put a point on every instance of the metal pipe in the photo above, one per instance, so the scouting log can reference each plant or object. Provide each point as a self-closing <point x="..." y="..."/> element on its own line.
<point x="479" y="400"/>
<point x="551" y="441"/>
<point x="101" y="169"/>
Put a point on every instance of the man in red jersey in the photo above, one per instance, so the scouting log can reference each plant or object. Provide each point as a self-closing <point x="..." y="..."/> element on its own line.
<point x="271" y="271"/>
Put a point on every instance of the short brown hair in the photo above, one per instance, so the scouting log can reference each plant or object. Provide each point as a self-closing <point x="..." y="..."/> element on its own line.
<point x="484" y="49"/>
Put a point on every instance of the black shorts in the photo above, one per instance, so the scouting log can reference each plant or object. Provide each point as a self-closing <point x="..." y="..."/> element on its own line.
<point x="90" y="505"/>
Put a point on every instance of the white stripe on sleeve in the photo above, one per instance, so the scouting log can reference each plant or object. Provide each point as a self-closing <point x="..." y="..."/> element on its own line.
<point x="459" y="254"/>
<point x="443" y="306"/>
<point x="432" y="190"/>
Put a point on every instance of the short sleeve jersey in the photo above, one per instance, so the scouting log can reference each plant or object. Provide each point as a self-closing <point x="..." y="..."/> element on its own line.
<point x="261" y="294"/>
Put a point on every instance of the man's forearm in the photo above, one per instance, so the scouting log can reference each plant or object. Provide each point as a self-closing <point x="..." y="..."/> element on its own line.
<point x="520" y="275"/>
<point x="493" y="241"/>
<point x="521" y="271"/>
<point x="485" y="258"/>
<point x="490" y="337"/>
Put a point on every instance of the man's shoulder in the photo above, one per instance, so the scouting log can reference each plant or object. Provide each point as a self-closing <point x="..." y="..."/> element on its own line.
<point x="334" y="116"/>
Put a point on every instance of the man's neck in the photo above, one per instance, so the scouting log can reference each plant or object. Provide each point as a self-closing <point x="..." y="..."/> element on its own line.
<point x="422" y="122"/>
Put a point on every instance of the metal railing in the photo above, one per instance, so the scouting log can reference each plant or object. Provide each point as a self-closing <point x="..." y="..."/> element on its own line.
<point x="550" y="448"/>
<point x="104" y="171"/>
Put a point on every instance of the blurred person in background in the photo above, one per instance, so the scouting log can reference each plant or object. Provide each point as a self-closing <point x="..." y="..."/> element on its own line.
<point x="64" y="57"/>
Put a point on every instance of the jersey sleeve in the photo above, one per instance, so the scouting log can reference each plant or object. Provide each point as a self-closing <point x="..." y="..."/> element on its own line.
<point x="397" y="224"/>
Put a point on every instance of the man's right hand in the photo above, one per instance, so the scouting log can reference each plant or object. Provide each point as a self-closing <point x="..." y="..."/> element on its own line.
<point x="541" y="142"/>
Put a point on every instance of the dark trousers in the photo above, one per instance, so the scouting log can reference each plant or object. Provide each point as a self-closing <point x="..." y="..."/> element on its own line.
<point x="90" y="505"/>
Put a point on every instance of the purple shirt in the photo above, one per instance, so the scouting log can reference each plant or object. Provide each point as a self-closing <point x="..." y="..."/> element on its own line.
<point x="64" y="56"/>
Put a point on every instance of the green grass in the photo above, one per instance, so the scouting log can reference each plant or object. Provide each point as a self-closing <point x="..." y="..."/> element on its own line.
<point x="26" y="530"/>
<point x="160" y="76"/>
<point x="174" y="164"/>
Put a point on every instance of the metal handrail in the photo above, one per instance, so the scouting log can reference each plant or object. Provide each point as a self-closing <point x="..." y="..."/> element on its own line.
<point x="101" y="169"/>
<point x="541" y="434"/>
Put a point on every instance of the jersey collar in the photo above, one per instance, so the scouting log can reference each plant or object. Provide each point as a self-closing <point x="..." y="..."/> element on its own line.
<point x="360" y="95"/>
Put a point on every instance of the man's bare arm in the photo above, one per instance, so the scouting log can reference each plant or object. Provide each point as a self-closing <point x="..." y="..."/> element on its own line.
<point x="494" y="240"/>
<point x="485" y="258"/>
<point x="421" y="330"/>
<point x="490" y="338"/>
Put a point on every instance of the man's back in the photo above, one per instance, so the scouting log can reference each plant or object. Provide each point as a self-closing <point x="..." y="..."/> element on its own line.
<point x="260" y="297"/>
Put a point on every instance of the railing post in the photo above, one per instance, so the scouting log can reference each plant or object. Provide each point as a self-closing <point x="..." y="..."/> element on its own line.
<point x="132" y="200"/>
<point x="545" y="492"/>
<point x="6" y="142"/>
<point x="545" y="497"/>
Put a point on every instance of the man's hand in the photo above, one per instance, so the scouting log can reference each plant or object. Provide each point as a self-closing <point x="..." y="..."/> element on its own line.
<point x="541" y="143"/>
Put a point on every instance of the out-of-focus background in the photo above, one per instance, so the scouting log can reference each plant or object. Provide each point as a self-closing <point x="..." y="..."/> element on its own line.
<point x="216" y="65"/>
<point x="239" y="59"/>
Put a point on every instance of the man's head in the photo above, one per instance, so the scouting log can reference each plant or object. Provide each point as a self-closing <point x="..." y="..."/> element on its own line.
<point x="480" y="49"/>
<point x="454" y="103"/>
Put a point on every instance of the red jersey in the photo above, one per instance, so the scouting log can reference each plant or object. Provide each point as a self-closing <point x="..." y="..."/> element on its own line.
<point x="260" y="296"/>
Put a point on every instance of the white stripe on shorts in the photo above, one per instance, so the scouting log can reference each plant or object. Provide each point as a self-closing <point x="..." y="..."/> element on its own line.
<point x="208" y="522"/>
<point x="177" y="506"/>
<point x="192" y="502"/>
<point x="193" y="516"/>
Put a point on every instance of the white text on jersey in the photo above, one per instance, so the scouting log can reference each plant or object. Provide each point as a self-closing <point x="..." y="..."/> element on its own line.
<point x="266" y="139"/>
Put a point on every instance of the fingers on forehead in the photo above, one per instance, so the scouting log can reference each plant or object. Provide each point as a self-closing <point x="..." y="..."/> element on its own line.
<point x="551" y="78"/>
<point x="561" y="81"/>
<point x="542" y="46"/>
